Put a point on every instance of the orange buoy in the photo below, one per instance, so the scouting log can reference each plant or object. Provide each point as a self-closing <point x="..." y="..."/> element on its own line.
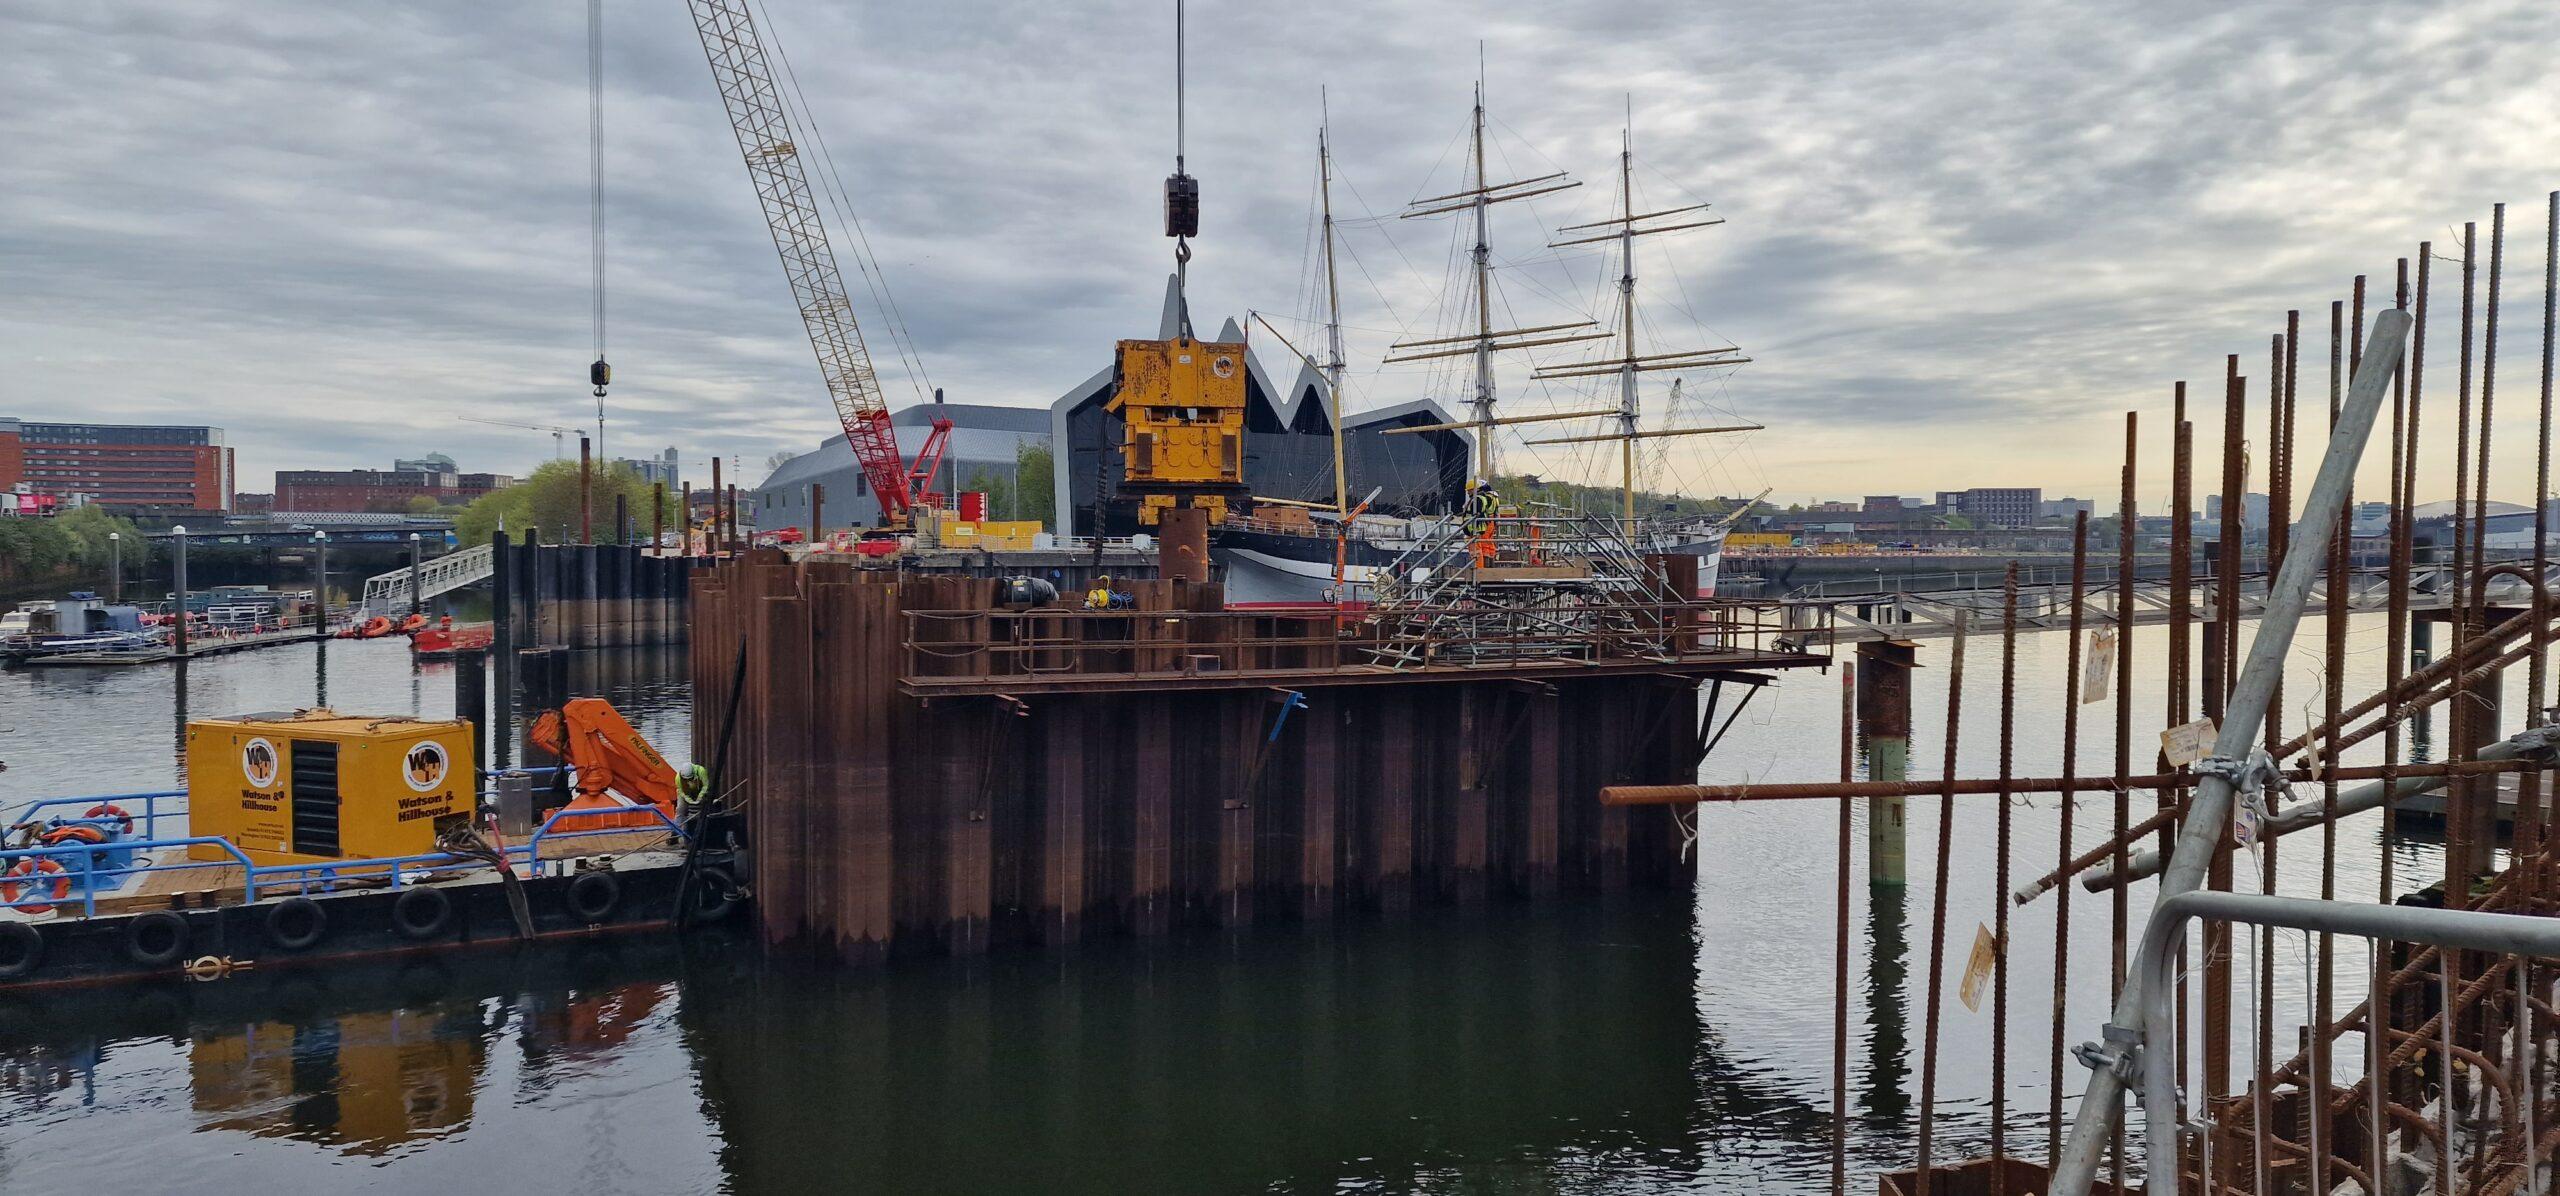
<point x="123" y="817"/>
<point x="20" y="878"/>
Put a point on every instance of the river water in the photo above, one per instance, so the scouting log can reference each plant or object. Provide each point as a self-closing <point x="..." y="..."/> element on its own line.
<point x="1642" y="1043"/>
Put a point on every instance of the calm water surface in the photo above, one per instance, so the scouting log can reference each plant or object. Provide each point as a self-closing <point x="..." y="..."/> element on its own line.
<point x="1647" y="1043"/>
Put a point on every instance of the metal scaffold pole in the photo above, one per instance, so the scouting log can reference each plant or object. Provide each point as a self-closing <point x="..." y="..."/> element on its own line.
<point x="2114" y="1060"/>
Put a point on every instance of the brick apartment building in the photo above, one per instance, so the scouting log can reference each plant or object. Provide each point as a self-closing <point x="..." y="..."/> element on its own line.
<point x="119" y="465"/>
<point x="378" y="490"/>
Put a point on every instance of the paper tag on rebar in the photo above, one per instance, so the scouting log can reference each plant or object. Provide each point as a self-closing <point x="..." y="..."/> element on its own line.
<point x="1977" y="968"/>
<point x="2182" y="746"/>
<point x="2100" y="667"/>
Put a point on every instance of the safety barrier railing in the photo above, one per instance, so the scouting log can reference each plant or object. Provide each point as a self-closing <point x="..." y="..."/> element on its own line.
<point x="1109" y="544"/>
<point x="148" y="820"/>
<point x="2141" y="1053"/>
<point x="153" y="807"/>
<point x="947" y="646"/>
<point x="1366" y="529"/>
<point x="82" y="884"/>
<point x="400" y="871"/>
<point x="533" y="846"/>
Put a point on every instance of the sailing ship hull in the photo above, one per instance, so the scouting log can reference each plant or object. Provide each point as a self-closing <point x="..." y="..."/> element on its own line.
<point x="1263" y="567"/>
<point x="1260" y="567"/>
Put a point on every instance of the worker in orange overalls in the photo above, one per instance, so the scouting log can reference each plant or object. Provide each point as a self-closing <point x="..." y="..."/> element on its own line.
<point x="1480" y="512"/>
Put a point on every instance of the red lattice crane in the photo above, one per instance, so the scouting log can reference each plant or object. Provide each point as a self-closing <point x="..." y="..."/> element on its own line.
<point x="757" y="115"/>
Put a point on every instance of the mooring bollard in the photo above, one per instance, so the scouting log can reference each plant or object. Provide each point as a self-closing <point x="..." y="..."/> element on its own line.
<point x="1884" y="717"/>
<point x="471" y="703"/>
<point x="320" y="582"/>
<point x="178" y="580"/>
<point x="502" y="646"/>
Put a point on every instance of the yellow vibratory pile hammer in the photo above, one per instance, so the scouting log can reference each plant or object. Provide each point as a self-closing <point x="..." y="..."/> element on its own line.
<point x="1182" y="402"/>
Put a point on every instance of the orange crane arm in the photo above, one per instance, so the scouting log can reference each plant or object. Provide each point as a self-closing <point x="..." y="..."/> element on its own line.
<point x="610" y="756"/>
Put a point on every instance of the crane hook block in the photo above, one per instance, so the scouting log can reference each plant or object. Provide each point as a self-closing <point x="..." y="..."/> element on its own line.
<point x="600" y="374"/>
<point x="1181" y="206"/>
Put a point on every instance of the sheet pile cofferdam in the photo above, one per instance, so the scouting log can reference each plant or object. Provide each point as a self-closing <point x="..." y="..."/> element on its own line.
<point x="927" y="770"/>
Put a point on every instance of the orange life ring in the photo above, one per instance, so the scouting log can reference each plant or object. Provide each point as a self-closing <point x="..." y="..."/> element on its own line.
<point x="14" y="886"/>
<point x="123" y="817"/>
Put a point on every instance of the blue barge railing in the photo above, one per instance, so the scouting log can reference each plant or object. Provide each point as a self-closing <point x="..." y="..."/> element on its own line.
<point x="148" y="819"/>
<point x="87" y="878"/>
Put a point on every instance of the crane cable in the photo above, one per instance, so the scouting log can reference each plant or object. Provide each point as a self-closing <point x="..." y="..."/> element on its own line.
<point x="599" y="374"/>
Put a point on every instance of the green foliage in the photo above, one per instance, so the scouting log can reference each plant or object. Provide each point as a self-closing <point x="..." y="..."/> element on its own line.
<point x="74" y="543"/>
<point x="1519" y="490"/>
<point x="1035" y="485"/>
<point x="998" y="488"/>
<point x="548" y="501"/>
<point x="32" y="548"/>
<point x="92" y="550"/>
<point x="1023" y="492"/>
<point x="423" y="505"/>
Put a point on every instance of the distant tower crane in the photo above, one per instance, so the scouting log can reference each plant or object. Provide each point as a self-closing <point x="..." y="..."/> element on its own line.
<point x="756" y="114"/>
<point x="559" y="435"/>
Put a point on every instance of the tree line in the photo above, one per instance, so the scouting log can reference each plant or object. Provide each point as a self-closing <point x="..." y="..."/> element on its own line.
<point x="72" y="549"/>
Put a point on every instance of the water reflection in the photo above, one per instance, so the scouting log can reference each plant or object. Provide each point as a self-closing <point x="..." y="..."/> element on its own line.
<point x="567" y="1028"/>
<point x="376" y="1062"/>
<point x="1444" y="1052"/>
<point x="177" y="730"/>
<point x="1883" y="1106"/>
<point x="361" y="1082"/>
<point x="1449" y="1051"/>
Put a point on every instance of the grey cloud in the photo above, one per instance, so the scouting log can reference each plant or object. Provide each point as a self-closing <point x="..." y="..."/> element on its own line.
<point x="1954" y="228"/>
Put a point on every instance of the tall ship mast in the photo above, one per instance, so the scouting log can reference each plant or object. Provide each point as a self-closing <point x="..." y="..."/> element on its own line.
<point x="1334" y="363"/>
<point x="1337" y="550"/>
<point x="1477" y="200"/>
<point x="1631" y="360"/>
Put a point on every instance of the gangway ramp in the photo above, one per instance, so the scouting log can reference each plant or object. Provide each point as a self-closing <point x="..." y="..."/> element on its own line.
<point x="388" y="593"/>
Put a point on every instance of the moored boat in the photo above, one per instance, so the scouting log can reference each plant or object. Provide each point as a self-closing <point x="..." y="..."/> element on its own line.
<point x="102" y="650"/>
<point x="452" y="640"/>
<point x="76" y="622"/>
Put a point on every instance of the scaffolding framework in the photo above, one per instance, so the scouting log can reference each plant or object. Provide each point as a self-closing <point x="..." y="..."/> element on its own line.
<point x="1523" y="587"/>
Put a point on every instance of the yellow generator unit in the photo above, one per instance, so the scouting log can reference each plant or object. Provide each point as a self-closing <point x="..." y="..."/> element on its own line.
<point x="315" y="785"/>
<point x="1183" y="404"/>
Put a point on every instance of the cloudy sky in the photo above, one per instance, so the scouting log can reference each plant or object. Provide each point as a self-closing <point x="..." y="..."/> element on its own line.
<point x="1961" y="239"/>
